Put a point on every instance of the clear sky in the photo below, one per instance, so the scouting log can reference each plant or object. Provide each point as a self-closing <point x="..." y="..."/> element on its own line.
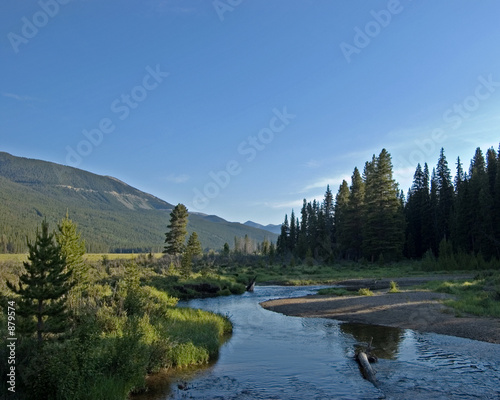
<point x="242" y="108"/>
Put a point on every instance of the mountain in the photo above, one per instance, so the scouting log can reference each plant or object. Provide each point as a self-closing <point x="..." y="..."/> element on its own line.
<point x="276" y="229"/>
<point x="111" y="215"/>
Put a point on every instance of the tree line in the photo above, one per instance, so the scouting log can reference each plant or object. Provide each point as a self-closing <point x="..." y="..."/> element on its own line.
<point x="372" y="219"/>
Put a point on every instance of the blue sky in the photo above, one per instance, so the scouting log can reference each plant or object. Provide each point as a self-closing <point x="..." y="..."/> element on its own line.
<point x="244" y="108"/>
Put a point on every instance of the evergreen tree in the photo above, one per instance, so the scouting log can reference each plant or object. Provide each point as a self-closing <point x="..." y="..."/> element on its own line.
<point x="73" y="249"/>
<point x="354" y="218"/>
<point x="491" y="169"/>
<point x="194" y="245"/>
<point x="312" y="225"/>
<point x="186" y="264"/>
<point x="328" y="207"/>
<point x="282" y="242"/>
<point x="43" y="287"/>
<point x="459" y="215"/>
<point x="323" y="245"/>
<point x="481" y="208"/>
<point x="302" y="242"/>
<point x="340" y="217"/>
<point x="175" y="238"/>
<point x="427" y="224"/>
<point x="226" y="251"/>
<point x="329" y="212"/>
<point x="292" y="240"/>
<point x="460" y="176"/>
<point x="383" y="234"/>
<point x="415" y="215"/>
<point x="496" y="206"/>
<point x="272" y="252"/>
<point x="445" y="197"/>
<point x="433" y="212"/>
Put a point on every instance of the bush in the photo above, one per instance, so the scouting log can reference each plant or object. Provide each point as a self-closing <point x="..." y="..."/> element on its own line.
<point x="184" y="354"/>
<point x="224" y="292"/>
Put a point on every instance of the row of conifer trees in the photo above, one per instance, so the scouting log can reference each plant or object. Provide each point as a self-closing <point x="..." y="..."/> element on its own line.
<point x="372" y="218"/>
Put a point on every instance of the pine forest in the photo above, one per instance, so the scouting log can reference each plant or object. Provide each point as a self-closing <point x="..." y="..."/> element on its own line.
<point x="371" y="219"/>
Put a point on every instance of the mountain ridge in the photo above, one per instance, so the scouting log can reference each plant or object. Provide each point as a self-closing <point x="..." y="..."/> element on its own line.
<point x="276" y="229"/>
<point x="112" y="215"/>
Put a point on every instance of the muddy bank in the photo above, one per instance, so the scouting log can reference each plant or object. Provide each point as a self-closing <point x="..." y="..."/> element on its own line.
<point x="417" y="310"/>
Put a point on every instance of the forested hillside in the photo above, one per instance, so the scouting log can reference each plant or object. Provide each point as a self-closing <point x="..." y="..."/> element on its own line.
<point x="372" y="218"/>
<point x="112" y="216"/>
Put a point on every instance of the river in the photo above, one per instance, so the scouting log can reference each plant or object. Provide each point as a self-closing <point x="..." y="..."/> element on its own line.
<point x="272" y="356"/>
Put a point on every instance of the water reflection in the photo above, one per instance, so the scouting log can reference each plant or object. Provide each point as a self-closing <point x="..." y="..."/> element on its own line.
<point x="386" y="340"/>
<point x="272" y="356"/>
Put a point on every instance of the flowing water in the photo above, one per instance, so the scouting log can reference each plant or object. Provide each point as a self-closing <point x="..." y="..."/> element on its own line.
<point x="272" y="356"/>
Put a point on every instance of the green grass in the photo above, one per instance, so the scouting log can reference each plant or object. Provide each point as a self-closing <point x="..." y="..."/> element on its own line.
<point x="13" y="257"/>
<point x="480" y="296"/>
<point x="322" y="274"/>
<point x="365" y="292"/>
<point x="117" y="256"/>
<point x="394" y="288"/>
<point x="201" y="329"/>
<point x="90" y="257"/>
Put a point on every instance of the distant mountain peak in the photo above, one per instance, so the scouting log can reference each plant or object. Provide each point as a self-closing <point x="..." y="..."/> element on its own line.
<point x="276" y="229"/>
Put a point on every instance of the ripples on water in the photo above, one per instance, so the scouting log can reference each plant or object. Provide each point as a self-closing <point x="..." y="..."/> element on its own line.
<point x="272" y="356"/>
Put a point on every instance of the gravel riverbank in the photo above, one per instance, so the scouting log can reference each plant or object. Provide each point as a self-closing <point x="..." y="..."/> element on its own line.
<point x="418" y="310"/>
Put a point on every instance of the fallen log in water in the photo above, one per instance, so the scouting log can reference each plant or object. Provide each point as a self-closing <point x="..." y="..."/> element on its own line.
<point x="366" y="368"/>
<point x="251" y="285"/>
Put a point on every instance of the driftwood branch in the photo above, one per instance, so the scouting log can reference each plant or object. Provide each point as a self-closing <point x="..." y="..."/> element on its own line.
<point x="251" y="285"/>
<point x="366" y="368"/>
<point x="364" y="358"/>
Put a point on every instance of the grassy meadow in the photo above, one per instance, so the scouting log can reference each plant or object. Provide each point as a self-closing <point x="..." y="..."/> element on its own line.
<point x="123" y="324"/>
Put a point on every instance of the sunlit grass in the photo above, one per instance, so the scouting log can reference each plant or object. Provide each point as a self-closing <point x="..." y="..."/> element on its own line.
<point x="478" y="297"/>
<point x="91" y="257"/>
<point x="323" y="274"/>
<point x="365" y="292"/>
<point x="393" y="288"/>
<point x="13" y="257"/>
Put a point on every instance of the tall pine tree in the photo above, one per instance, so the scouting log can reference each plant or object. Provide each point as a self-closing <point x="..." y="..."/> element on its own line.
<point x="175" y="238"/>
<point x="383" y="234"/>
<point x="194" y="245"/>
<point x="43" y="288"/>
<point x="73" y="249"/>
<point x="445" y="197"/>
<point x="354" y="219"/>
<point x="340" y="217"/>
